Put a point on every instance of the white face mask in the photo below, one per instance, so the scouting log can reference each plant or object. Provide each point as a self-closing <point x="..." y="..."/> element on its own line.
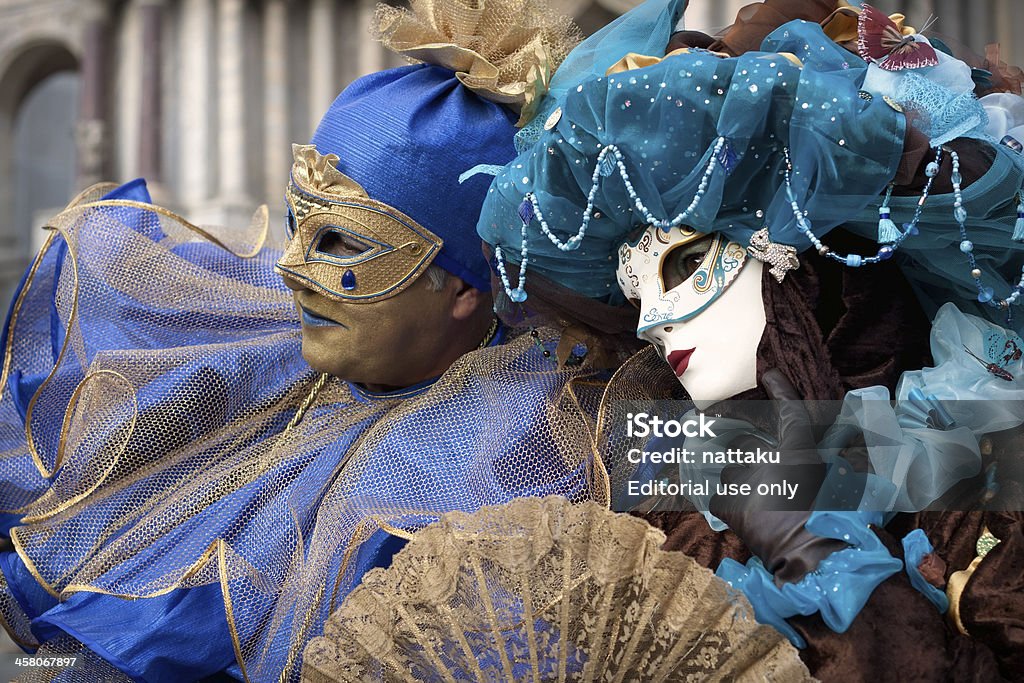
<point x="700" y="304"/>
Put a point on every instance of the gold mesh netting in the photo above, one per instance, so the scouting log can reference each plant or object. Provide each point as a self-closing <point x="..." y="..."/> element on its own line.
<point x="173" y="436"/>
<point x="644" y="377"/>
<point x="504" y="51"/>
<point x="540" y="590"/>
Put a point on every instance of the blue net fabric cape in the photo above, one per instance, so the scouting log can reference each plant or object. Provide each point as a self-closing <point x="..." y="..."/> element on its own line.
<point x="93" y="291"/>
<point x="175" y="468"/>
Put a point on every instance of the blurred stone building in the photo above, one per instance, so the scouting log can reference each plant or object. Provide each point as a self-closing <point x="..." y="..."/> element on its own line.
<point x="204" y="97"/>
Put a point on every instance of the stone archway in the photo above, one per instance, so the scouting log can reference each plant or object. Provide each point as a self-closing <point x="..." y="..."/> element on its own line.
<point x="22" y="69"/>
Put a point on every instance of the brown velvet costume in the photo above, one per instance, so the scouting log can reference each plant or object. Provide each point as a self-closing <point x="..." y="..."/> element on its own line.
<point x="831" y="329"/>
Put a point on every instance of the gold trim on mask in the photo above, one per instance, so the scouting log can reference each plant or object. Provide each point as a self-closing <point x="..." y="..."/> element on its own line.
<point x="322" y="202"/>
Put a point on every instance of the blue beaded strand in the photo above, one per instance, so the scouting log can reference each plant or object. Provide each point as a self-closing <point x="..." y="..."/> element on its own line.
<point x="986" y="294"/>
<point x="884" y="252"/>
<point x="519" y="293"/>
<point x="608" y="160"/>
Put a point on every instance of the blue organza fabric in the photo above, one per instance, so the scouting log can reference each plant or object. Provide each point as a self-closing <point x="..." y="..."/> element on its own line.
<point x="666" y="120"/>
<point x="932" y="260"/>
<point x="923" y="462"/>
<point x="840" y="586"/>
<point x="915" y="546"/>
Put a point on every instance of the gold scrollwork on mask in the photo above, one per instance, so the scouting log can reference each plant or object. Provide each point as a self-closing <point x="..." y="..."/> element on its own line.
<point x="343" y="244"/>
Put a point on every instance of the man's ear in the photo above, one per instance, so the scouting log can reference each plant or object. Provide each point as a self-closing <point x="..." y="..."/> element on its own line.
<point x="466" y="299"/>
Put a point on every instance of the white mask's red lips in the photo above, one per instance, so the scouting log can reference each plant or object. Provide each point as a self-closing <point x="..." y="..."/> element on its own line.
<point x="680" y="360"/>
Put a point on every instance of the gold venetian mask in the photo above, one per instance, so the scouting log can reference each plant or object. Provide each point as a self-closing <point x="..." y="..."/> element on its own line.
<point x="342" y="243"/>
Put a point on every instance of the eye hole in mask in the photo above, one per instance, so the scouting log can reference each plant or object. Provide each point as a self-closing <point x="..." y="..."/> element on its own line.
<point x="680" y="264"/>
<point x="339" y="243"/>
<point x="289" y="224"/>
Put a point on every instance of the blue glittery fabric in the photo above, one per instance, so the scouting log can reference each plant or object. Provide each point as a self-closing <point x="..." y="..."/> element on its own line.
<point x="844" y="152"/>
<point x="406" y="135"/>
<point x="645" y="30"/>
<point x="915" y="546"/>
<point x="666" y="120"/>
<point x="840" y="586"/>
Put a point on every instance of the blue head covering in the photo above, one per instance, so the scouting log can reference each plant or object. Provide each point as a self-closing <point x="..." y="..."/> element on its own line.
<point x="706" y="141"/>
<point x="406" y="135"/>
<point x="645" y="30"/>
<point x="697" y="135"/>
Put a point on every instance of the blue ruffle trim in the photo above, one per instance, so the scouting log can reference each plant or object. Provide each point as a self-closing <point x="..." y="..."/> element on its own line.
<point x="838" y="588"/>
<point x="915" y="546"/>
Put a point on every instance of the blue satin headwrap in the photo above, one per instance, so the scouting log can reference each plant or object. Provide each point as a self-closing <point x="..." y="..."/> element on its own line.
<point x="406" y="135"/>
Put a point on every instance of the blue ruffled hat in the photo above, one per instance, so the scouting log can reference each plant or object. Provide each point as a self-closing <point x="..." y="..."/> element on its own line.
<point x="406" y="135"/>
<point x="695" y="140"/>
<point x="707" y="142"/>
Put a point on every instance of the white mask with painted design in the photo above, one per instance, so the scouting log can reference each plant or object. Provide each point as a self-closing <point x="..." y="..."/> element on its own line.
<point x="700" y="303"/>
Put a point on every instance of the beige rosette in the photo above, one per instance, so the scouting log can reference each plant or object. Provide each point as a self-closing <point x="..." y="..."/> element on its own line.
<point x="503" y="51"/>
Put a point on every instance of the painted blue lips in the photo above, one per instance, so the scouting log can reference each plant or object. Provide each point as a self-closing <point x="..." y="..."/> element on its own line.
<point x="313" y="320"/>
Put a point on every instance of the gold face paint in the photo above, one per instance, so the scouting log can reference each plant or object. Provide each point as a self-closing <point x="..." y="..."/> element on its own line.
<point x="392" y="343"/>
<point x="343" y="244"/>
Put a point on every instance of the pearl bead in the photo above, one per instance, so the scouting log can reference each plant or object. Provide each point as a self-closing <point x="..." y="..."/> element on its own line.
<point x="976" y="273"/>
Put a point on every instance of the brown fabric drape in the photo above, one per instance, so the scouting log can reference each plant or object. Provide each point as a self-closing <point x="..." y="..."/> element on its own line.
<point x="831" y="328"/>
<point x="755" y="21"/>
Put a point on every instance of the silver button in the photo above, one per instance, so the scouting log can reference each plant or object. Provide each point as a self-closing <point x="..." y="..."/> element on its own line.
<point x="553" y="119"/>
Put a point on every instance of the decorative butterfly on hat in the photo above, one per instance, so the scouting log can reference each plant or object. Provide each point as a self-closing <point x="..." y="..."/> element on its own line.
<point x="880" y="40"/>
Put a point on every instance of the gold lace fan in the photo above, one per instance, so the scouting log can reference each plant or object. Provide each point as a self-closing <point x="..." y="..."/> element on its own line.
<point x="541" y="590"/>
